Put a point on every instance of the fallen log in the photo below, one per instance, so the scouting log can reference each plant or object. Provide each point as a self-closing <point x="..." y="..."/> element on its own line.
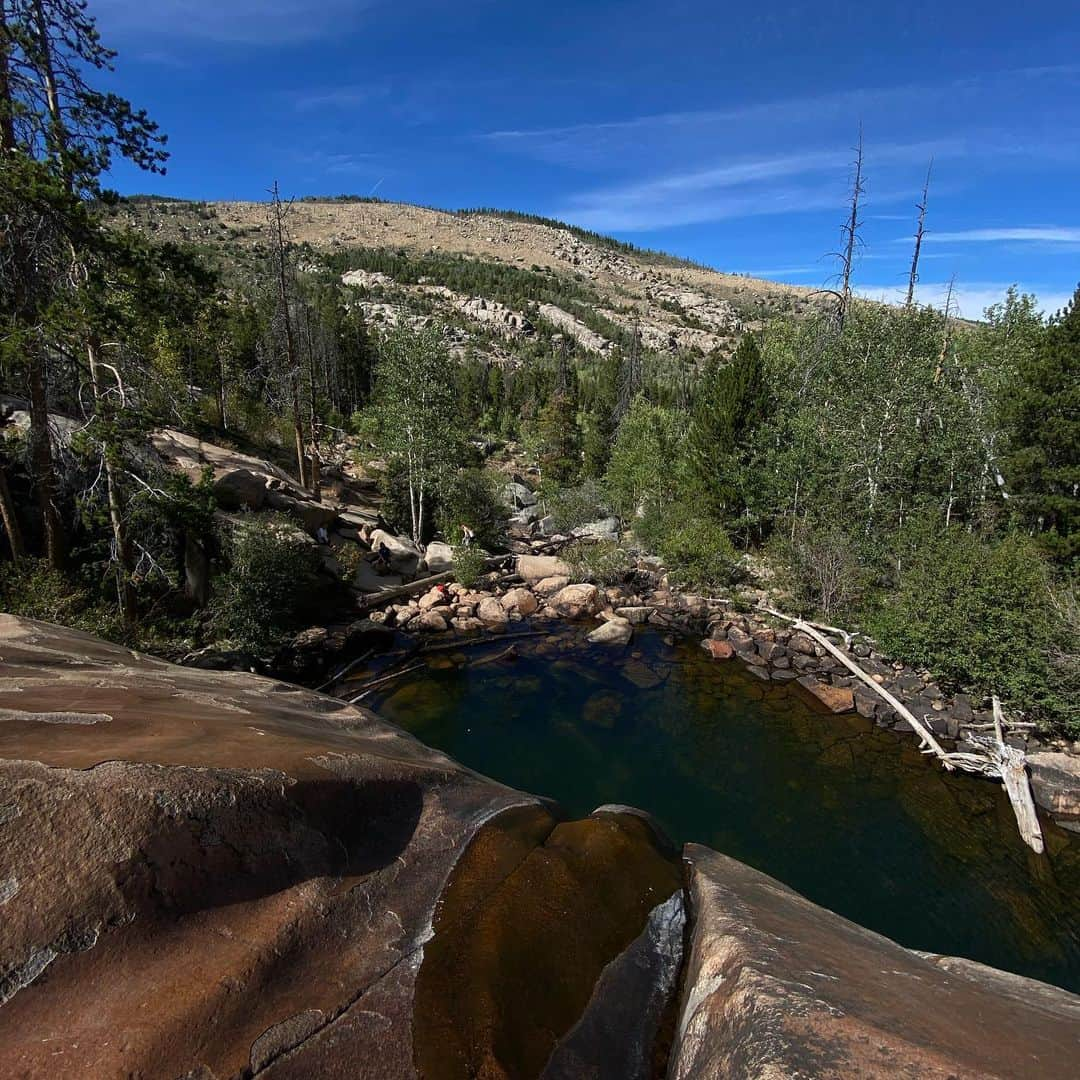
<point x="996" y="760"/>
<point x="376" y="683"/>
<point x="420" y="585"/>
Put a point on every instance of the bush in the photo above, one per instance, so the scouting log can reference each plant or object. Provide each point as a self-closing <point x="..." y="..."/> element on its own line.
<point x="34" y="591"/>
<point x="979" y="614"/>
<point x="696" y="550"/>
<point x="469" y="565"/>
<point x="603" y="563"/>
<point x="271" y="586"/>
<point x="471" y="497"/>
<point x="823" y="569"/>
<point x="573" y="507"/>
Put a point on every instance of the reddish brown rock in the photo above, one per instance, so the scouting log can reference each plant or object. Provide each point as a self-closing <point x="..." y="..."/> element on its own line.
<point x="837" y="699"/>
<point x="776" y="986"/>
<point x="719" y="650"/>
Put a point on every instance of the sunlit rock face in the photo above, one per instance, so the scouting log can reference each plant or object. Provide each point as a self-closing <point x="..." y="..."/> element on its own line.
<point x="213" y="871"/>
<point x="210" y="874"/>
<point x="776" y="986"/>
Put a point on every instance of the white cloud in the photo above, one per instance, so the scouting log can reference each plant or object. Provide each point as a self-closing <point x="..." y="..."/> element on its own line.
<point x="1060" y="234"/>
<point x="338" y="97"/>
<point x="969" y="299"/>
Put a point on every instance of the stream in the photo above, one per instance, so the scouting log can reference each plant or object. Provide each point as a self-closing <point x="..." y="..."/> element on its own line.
<point x="849" y="815"/>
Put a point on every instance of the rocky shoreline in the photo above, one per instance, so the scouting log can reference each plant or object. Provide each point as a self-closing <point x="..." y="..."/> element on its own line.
<point x="540" y="590"/>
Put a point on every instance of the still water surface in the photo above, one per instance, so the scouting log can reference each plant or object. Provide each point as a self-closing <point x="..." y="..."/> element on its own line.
<point x="849" y="815"/>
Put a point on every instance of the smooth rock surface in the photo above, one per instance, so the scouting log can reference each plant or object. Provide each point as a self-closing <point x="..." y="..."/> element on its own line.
<point x="776" y="987"/>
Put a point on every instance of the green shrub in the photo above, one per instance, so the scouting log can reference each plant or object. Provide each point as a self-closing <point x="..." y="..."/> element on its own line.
<point x="575" y="506"/>
<point x="469" y="565"/>
<point x="978" y="614"/>
<point x="603" y="563"/>
<point x="34" y="591"/>
<point x="271" y="586"/>
<point x="696" y="550"/>
<point x="471" y="497"/>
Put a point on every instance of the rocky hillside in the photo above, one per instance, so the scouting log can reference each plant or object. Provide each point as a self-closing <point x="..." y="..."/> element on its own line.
<point x="676" y="307"/>
<point x="208" y="874"/>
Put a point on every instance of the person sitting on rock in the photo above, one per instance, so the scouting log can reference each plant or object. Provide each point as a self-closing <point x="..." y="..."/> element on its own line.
<point x="382" y="558"/>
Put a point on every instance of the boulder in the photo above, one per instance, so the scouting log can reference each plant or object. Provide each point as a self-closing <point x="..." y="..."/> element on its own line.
<point x="537" y="567"/>
<point x="434" y="598"/>
<point x="575" y="602"/>
<point x="637" y="616"/>
<point x="616" y="631"/>
<point x="404" y="554"/>
<point x="368" y="580"/>
<point x="550" y="585"/>
<point x="1055" y="783"/>
<point x="429" y="621"/>
<point x="311" y="515"/>
<point x="240" y="489"/>
<point x="776" y="986"/>
<point x="837" y="699"/>
<point x="491" y="613"/>
<point x="439" y="557"/>
<point x="605" y="529"/>
<point x="520" y="600"/>
<point x="518" y="496"/>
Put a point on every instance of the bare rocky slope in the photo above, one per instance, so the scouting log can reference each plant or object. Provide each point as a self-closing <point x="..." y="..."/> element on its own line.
<point x="676" y="306"/>
<point x="210" y="874"/>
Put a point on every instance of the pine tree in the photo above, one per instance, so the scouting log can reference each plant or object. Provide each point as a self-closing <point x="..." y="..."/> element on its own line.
<point x="731" y="402"/>
<point x="1042" y="465"/>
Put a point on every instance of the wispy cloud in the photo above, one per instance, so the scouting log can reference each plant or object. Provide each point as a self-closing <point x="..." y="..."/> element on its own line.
<point x="1039" y="234"/>
<point x="338" y="97"/>
<point x="236" y="22"/>
<point x="779" y="184"/>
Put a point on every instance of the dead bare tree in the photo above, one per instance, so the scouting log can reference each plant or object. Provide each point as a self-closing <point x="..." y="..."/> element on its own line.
<point x="850" y="234"/>
<point x="913" y="276"/>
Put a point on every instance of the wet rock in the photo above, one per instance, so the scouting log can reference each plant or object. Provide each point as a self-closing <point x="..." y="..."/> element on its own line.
<point x="1055" y="783"/>
<point x="776" y="986"/>
<point x="718" y="650"/>
<point x="837" y="699"/>
<point x="616" y="631"/>
<point x="644" y="676"/>
<point x="575" y="602"/>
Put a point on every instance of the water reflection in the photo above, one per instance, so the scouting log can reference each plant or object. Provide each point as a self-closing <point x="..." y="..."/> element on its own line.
<point x="849" y="815"/>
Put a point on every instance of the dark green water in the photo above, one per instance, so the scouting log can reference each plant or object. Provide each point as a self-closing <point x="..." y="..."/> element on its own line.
<point x="851" y="816"/>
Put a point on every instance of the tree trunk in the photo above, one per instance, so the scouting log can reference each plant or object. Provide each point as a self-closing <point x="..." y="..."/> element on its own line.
<point x="11" y="522"/>
<point x="41" y="459"/>
<point x="125" y="562"/>
<point x="298" y="432"/>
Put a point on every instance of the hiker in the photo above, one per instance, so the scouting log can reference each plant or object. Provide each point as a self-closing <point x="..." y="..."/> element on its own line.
<point x="382" y="558"/>
<point x="467" y="536"/>
<point x="321" y="535"/>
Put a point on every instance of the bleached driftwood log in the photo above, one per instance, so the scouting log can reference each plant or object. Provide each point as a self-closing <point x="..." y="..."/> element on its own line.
<point x="996" y="759"/>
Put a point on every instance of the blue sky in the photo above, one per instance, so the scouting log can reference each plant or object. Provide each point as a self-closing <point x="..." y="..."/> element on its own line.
<point x="723" y="135"/>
